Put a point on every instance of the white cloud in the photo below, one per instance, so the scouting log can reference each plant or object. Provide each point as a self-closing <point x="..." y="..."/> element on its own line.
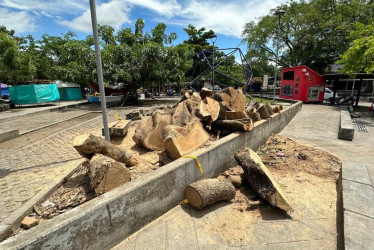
<point x="52" y="6"/>
<point x="113" y="13"/>
<point x="166" y="8"/>
<point x="19" y="21"/>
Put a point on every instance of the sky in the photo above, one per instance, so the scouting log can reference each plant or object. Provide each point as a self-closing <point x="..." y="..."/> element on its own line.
<point x="226" y="18"/>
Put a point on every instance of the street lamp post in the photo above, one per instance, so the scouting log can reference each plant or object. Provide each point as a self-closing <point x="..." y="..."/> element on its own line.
<point x="278" y="13"/>
<point x="99" y="69"/>
<point x="213" y="39"/>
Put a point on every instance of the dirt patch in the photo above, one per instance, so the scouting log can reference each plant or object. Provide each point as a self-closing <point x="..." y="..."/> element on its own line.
<point x="307" y="175"/>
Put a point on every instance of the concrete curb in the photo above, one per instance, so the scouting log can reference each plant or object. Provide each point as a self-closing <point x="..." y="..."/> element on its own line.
<point x="11" y="223"/>
<point x="8" y="135"/>
<point x="346" y="129"/>
<point x="107" y="220"/>
<point x="46" y="110"/>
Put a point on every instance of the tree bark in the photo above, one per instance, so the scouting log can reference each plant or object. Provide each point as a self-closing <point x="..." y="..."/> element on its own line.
<point x="232" y="99"/>
<point x="179" y="141"/>
<point x="242" y="125"/>
<point x="106" y="174"/>
<point x="260" y="179"/>
<point x="88" y="144"/>
<point x="182" y="115"/>
<point x="234" y="115"/>
<point x="263" y="111"/>
<point x="255" y="116"/>
<point x="208" y="191"/>
<point x="270" y="109"/>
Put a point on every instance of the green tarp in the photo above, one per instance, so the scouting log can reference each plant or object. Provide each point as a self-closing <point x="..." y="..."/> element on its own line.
<point x="32" y="94"/>
<point x="69" y="94"/>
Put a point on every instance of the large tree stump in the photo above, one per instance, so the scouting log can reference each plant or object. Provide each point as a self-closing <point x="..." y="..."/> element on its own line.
<point x="149" y="134"/>
<point x="242" y="125"/>
<point x="263" y="111"/>
<point x="209" y="110"/>
<point x="205" y="92"/>
<point x="232" y="99"/>
<point x="106" y="174"/>
<point x="179" y="141"/>
<point x="260" y="179"/>
<point x="88" y="144"/>
<point x="208" y="191"/>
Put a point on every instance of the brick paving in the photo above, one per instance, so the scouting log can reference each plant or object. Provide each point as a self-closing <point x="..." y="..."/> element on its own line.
<point x="26" y="171"/>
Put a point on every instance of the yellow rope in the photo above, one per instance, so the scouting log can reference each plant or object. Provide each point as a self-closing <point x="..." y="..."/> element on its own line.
<point x="197" y="163"/>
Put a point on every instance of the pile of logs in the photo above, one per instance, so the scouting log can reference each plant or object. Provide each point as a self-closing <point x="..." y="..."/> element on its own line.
<point x="252" y="172"/>
<point x="184" y="127"/>
<point x="107" y="162"/>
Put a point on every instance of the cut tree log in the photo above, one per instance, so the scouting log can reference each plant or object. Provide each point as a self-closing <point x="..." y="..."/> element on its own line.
<point x="242" y="125"/>
<point x="234" y="115"/>
<point x="232" y="99"/>
<point x="255" y="116"/>
<point x="106" y="174"/>
<point x="270" y="109"/>
<point x="205" y="92"/>
<point x="276" y="109"/>
<point x="182" y="115"/>
<point x="193" y="103"/>
<point x="260" y="179"/>
<point x="208" y="191"/>
<point x="209" y="110"/>
<point x="149" y="134"/>
<point x="185" y="96"/>
<point x="179" y="141"/>
<point x="263" y="111"/>
<point x="252" y="106"/>
<point x="118" y="128"/>
<point x="88" y="144"/>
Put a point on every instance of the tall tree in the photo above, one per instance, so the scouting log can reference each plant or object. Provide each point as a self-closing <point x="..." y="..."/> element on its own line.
<point x="313" y="32"/>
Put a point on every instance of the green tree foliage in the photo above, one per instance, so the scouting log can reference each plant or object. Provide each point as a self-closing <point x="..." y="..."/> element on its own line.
<point x="313" y="32"/>
<point x="360" y="55"/>
<point x="15" y="64"/>
<point x="198" y="38"/>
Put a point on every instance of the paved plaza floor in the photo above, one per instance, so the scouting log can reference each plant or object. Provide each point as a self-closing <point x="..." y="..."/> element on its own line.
<point x="316" y="125"/>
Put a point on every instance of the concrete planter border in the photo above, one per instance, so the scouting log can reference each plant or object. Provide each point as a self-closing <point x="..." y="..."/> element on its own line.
<point x="107" y="220"/>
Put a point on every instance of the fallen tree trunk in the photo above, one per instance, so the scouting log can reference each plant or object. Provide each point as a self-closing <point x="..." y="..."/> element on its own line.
<point x="193" y="103"/>
<point x="252" y="106"/>
<point x="242" y="125"/>
<point x="179" y="141"/>
<point x="277" y="108"/>
<point x="106" y="174"/>
<point x="263" y="111"/>
<point x="260" y="179"/>
<point x="88" y="144"/>
<point x="149" y="134"/>
<point x="208" y="191"/>
<point x="232" y="99"/>
<point x="209" y="110"/>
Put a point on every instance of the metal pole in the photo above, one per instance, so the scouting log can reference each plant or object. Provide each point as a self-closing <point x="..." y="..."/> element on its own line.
<point x="276" y="61"/>
<point x="99" y="69"/>
<point x="213" y="67"/>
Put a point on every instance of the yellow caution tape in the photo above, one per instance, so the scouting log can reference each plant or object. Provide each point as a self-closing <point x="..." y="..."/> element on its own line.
<point x="197" y="163"/>
<point x="184" y="202"/>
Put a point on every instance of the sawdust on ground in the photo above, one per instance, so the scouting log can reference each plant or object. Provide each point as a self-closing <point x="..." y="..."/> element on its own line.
<point x="308" y="177"/>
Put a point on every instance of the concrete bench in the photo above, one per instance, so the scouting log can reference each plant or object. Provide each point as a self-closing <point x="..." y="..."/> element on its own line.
<point x="346" y="129"/>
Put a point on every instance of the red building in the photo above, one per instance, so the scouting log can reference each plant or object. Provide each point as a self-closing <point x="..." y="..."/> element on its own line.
<point x="301" y="83"/>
